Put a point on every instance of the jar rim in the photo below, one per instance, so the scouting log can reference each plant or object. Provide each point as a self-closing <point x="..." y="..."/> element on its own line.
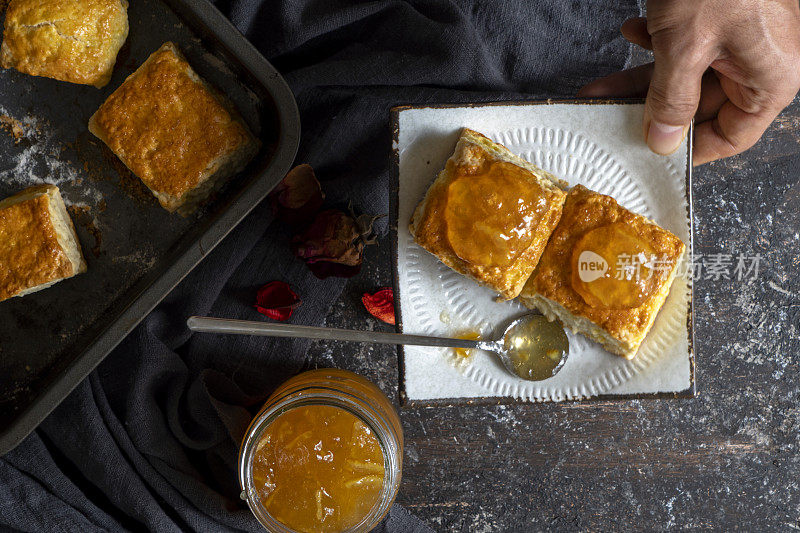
<point x="324" y="396"/>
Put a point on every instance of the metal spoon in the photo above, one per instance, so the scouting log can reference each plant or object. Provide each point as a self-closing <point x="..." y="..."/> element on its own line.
<point x="530" y="347"/>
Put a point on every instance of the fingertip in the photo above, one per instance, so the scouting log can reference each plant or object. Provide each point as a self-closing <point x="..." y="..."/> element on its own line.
<point x="708" y="145"/>
<point x="594" y="89"/>
<point x="699" y="162"/>
<point x="731" y="132"/>
<point x="633" y="23"/>
<point x="635" y="31"/>
<point x="664" y="139"/>
<point x="623" y="84"/>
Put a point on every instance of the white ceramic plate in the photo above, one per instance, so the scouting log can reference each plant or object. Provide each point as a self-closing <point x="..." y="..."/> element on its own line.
<point x="598" y="145"/>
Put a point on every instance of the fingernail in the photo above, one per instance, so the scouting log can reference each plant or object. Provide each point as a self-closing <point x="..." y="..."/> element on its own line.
<point x="664" y="139"/>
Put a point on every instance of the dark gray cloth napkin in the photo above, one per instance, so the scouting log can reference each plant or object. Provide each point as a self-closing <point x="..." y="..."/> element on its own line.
<point x="149" y="440"/>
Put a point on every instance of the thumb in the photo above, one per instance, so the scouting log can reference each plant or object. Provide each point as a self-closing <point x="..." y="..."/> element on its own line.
<point x="672" y="100"/>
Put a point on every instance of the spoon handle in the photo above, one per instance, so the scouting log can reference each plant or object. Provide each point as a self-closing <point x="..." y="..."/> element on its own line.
<point x="268" y="329"/>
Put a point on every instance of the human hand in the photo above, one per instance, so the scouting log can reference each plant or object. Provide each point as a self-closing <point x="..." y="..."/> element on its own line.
<point x="733" y="65"/>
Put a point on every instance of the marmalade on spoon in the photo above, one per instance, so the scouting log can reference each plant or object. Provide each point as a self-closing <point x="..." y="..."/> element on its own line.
<point x="491" y="212"/>
<point x="612" y="268"/>
<point x="536" y="347"/>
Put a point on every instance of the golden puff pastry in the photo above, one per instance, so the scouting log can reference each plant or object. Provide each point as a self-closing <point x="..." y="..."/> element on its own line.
<point x="38" y="244"/>
<point x="174" y="131"/>
<point x="605" y="272"/>
<point x="488" y="214"/>
<point x="68" y="40"/>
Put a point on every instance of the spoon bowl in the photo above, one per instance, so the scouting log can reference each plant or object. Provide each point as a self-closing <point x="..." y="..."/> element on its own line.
<point x="534" y="348"/>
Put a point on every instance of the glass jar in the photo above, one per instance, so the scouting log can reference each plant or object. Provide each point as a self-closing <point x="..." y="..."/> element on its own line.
<point x="332" y="388"/>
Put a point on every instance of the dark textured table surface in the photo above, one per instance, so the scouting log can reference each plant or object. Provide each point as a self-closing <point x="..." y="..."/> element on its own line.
<point x="727" y="458"/>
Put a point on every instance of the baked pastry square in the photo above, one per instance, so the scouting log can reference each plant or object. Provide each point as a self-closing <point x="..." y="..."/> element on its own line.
<point x="68" y="40"/>
<point x="173" y="131"/>
<point x="488" y="214"/>
<point x="605" y="272"/>
<point x="38" y="244"/>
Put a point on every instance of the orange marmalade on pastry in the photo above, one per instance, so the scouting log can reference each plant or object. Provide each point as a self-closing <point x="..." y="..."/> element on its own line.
<point x="613" y="267"/>
<point x="319" y="468"/>
<point x="491" y="212"/>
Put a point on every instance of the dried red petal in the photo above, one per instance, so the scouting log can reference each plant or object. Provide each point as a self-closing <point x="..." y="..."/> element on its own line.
<point x="298" y="196"/>
<point x="380" y="305"/>
<point x="277" y="300"/>
<point x="331" y="245"/>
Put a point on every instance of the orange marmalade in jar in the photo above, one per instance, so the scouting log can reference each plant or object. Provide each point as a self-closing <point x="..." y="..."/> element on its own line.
<point x="324" y="454"/>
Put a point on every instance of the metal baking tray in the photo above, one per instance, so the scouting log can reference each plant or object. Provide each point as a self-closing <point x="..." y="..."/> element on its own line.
<point x="136" y="251"/>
